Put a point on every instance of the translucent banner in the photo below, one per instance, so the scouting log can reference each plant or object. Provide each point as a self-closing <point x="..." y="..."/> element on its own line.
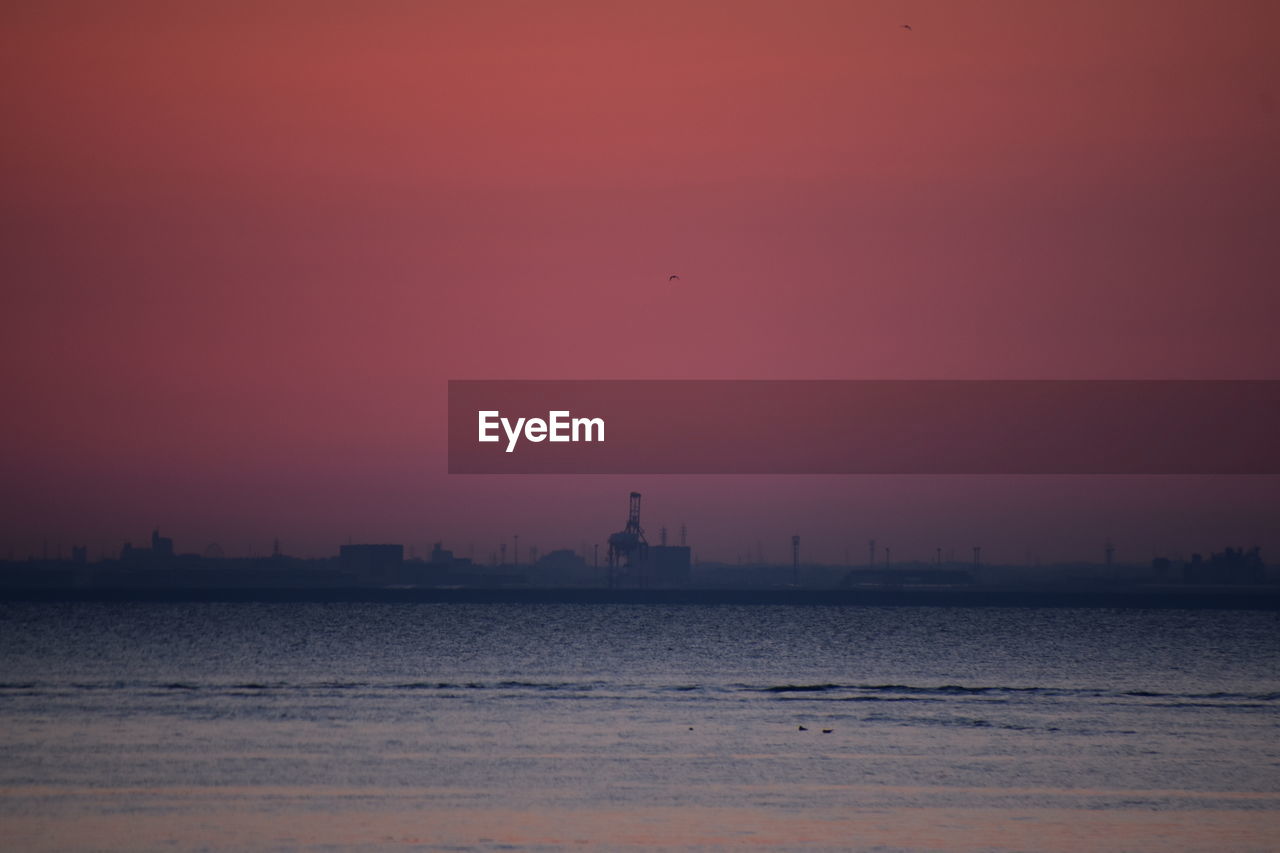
<point x="863" y="427"/>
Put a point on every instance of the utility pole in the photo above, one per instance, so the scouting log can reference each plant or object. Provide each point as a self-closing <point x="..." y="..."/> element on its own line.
<point x="795" y="561"/>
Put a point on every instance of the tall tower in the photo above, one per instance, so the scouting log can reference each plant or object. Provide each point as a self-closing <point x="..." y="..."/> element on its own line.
<point x="628" y="545"/>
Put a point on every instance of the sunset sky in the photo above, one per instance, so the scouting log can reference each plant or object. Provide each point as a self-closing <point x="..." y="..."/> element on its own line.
<point x="246" y="245"/>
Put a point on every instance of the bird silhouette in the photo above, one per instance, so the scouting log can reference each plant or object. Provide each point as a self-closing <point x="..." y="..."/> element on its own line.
<point x="907" y="27"/>
<point x="827" y="731"/>
<point x="802" y="728"/>
<point x="673" y="277"/>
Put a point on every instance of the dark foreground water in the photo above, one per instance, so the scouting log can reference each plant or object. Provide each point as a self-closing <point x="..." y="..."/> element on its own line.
<point x="338" y="726"/>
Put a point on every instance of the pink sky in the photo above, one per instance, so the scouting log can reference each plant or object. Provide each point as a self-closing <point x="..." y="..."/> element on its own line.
<point x="246" y="245"/>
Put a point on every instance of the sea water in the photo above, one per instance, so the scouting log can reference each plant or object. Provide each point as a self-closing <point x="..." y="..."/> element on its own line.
<point x="498" y="726"/>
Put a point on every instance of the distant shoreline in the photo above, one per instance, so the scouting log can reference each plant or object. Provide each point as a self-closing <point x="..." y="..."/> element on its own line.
<point x="1190" y="598"/>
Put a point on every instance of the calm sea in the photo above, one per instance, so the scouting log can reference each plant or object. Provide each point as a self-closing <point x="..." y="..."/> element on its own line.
<point x="370" y="726"/>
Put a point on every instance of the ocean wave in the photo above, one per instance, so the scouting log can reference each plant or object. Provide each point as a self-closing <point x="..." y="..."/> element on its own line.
<point x="821" y="691"/>
<point x="871" y="691"/>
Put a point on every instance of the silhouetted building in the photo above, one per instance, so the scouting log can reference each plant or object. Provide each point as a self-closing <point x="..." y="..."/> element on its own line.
<point x="668" y="565"/>
<point x="563" y="568"/>
<point x="161" y="546"/>
<point x="161" y="550"/>
<point x="1231" y="566"/>
<point x="443" y="558"/>
<point x="372" y="563"/>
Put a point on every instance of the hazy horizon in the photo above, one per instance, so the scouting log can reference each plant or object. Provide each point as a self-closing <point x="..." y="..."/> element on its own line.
<point x="245" y="252"/>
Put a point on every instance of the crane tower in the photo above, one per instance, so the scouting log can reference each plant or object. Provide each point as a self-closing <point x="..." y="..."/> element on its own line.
<point x="628" y="546"/>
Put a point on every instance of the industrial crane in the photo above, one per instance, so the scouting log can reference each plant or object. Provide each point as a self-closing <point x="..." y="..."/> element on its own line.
<point x="629" y="544"/>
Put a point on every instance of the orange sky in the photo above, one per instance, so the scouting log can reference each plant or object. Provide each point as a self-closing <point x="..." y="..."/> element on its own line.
<point x="245" y="246"/>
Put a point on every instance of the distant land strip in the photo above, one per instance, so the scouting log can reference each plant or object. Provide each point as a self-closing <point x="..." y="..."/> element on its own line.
<point x="1191" y="598"/>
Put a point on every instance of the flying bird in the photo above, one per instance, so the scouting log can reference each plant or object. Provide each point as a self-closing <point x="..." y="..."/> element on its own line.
<point x="802" y="728"/>
<point x="673" y="277"/>
<point x="906" y="27"/>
